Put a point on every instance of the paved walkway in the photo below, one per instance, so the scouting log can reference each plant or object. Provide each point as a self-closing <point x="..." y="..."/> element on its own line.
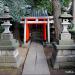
<point x="36" y="63"/>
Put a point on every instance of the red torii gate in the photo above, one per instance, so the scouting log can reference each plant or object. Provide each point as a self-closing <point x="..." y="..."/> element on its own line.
<point x="33" y="21"/>
<point x="44" y="21"/>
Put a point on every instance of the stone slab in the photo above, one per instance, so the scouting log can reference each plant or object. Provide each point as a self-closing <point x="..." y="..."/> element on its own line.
<point x="60" y="52"/>
<point x="65" y="56"/>
<point x="67" y="64"/>
<point x="67" y="52"/>
<point x="7" y="36"/>
<point x="9" y="48"/>
<point x="68" y="58"/>
<point x="66" y="42"/>
<point x="64" y="65"/>
<point x="10" y="59"/>
<point x="2" y="59"/>
<point x="65" y="36"/>
<point x="36" y="63"/>
<point x="5" y="43"/>
<point x="9" y="68"/>
<point x="73" y="52"/>
<point x="10" y="71"/>
<point x="65" y="47"/>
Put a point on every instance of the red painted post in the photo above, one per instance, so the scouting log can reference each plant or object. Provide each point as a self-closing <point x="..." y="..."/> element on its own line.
<point x="27" y="33"/>
<point x="44" y="32"/>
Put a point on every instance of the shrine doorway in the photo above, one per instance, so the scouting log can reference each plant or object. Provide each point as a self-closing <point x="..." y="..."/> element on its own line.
<point x="36" y="32"/>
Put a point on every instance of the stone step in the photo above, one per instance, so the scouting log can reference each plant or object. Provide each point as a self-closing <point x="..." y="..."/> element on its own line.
<point x="68" y="58"/>
<point x="8" y="65"/>
<point x="13" y="42"/>
<point x="5" y="43"/>
<point x="7" y="48"/>
<point x="65" y="47"/>
<point x="7" y="36"/>
<point x="65" y="52"/>
<point x="66" y="42"/>
<point x="64" y="65"/>
<point x="7" y="59"/>
<point x="4" y="40"/>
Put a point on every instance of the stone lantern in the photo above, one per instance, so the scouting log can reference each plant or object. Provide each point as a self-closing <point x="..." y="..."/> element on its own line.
<point x="65" y="23"/>
<point x="66" y="48"/>
<point x="9" y="55"/>
<point x="6" y="18"/>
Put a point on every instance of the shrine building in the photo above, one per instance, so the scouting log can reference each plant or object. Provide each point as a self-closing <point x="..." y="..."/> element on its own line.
<point x="37" y="27"/>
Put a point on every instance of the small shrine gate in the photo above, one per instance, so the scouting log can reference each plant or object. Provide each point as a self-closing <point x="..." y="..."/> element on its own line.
<point x="44" y="21"/>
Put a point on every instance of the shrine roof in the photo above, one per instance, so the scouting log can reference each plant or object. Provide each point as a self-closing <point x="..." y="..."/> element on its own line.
<point x="38" y="13"/>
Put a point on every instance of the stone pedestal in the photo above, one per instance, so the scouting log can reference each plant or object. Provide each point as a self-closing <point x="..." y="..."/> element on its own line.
<point x="9" y="55"/>
<point x="65" y="56"/>
<point x="66" y="49"/>
<point x="65" y="53"/>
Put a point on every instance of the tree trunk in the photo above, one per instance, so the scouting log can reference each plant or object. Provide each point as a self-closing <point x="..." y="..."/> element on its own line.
<point x="57" y="13"/>
<point x="73" y="12"/>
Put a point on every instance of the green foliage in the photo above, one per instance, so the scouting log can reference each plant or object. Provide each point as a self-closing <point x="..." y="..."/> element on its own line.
<point x="71" y="26"/>
<point x="65" y="2"/>
<point x="46" y="4"/>
<point x="18" y="7"/>
<point x="1" y="29"/>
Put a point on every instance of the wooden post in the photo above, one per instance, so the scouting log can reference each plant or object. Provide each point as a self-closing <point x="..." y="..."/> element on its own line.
<point x="48" y="31"/>
<point x="44" y="32"/>
<point x="25" y="32"/>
